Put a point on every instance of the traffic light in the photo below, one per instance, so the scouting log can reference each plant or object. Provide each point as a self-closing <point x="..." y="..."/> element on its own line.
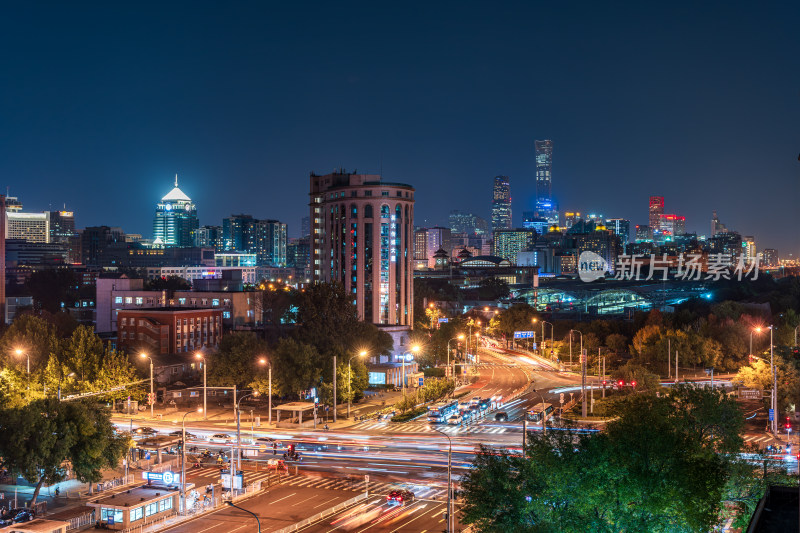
<point x="621" y="383"/>
<point x="788" y="424"/>
<point x="151" y="398"/>
<point x="604" y="382"/>
<point x="633" y="384"/>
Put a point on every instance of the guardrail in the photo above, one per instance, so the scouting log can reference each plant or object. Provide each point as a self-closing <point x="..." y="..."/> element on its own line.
<point x="323" y="514"/>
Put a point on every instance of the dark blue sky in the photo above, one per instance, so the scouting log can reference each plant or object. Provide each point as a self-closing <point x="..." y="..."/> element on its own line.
<point x="102" y="103"/>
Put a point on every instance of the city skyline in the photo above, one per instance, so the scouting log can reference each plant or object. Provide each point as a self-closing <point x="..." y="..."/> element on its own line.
<point x="664" y="126"/>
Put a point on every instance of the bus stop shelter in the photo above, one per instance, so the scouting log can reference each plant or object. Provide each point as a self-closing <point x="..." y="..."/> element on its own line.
<point x="296" y="410"/>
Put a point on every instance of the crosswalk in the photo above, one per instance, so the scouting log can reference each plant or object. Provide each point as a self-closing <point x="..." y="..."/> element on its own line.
<point x="211" y="475"/>
<point x="424" y="427"/>
<point x="756" y="439"/>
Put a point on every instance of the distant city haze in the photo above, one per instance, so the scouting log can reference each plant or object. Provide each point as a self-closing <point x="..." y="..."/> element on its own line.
<point x="102" y="105"/>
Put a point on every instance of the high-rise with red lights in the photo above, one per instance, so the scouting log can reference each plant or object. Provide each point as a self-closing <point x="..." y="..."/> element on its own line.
<point x="656" y="210"/>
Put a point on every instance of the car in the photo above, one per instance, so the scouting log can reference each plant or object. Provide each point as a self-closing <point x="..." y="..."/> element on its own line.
<point x="277" y="464"/>
<point x="15" y="516"/>
<point x="220" y="437"/>
<point x="501" y="416"/>
<point x="475" y="401"/>
<point x="454" y="420"/>
<point x="399" y="497"/>
<point x="144" y="430"/>
<point x="463" y="405"/>
<point x="497" y="400"/>
<point x="387" y="416"/>
<point x="179" y="433"/>
<point x="264" y="440"/>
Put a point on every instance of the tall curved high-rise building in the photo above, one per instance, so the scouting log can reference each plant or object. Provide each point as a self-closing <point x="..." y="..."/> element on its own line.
<point x="362" y="236"/>
<point x="501" y="203"/>
<point x="176" y="219"/>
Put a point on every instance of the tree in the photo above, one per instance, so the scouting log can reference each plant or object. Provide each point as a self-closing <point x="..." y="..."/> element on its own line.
<point x="295" y="368"/>
<point x="663" y="465"/>
<point x="236" y="361"/>
<point x="35" y="337"/>
<point x="759" y="376"/>
<point x="171" y="283"/>
<point x="518" y="317"/>
<point x="37" y="440"/>
<point x="492" y="289"/>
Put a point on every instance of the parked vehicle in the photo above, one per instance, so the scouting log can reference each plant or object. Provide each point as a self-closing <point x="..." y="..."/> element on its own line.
<point x="501" y="416"/>
<point x="15" y="516"/>
<point x="144" y="430"/>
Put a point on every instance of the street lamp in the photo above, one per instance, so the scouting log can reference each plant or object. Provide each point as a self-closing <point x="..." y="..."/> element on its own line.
<point x="263" y="362"/>
<point x="246" y="511"/>
<point x="552" y="334"/>
<point x="152" y="397"/>
<point x="183" y="458"/>
<point x="414" y="349"/>
<point x="460" y="337"/>
<point x="757" y="330"/>
<point x="362" y="353"/>
<point x="795" y="334"/>
<point x="239" y="430"/>
<point x="200" y="356"/>
<point x="449" y="479"/>
<point x="570" y="344"/>
<point x="19" y="353"/>
<point x="773" y="370"/>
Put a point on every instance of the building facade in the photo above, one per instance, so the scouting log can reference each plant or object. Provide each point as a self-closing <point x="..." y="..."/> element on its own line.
<point x="62" y="226"/>
<point x="209" y="237"/>
<point x="176" y="219"/>
<point x="168" y="330"/>
<point x="501" y="203"/>
<point x="508" y="243"/>
<point x="30" y="227"/>
<point x="362" y="232"/>
<point x="656" y="209"/>
<point x="545" y="207"/>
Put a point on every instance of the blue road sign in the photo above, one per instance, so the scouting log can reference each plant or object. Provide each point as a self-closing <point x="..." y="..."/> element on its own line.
<point x="523" y="334"/>
<point x="443" y="320"/>
<point x="771" y="415"/>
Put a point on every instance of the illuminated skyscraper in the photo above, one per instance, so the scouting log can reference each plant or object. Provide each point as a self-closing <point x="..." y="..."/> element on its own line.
<point x="656" y="210"/>
<point x="544" y="168"/>
<point x="501" y="203"/>
<point x="175" y="220"/>
<point x="362" y="236"/>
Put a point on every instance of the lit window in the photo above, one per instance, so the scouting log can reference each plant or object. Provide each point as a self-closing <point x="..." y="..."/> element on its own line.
<point x="118" y="300"/>
<point x="128" y="300"/>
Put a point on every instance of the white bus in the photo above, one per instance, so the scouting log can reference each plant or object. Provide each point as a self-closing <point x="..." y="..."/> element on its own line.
<point x="438" y="413"/>
<point x="540" y="412"/>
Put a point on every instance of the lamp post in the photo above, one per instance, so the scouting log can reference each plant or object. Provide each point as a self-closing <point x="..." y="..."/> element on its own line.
<point x="201" y="357"/>
<point x="552" y="334"/>
<point x="458" y="338"/>
<point x="757" y="330"/>
<point x="239" y="430"/>
<point x="246" y="511"/>
<point x="183" y="459"/>
<point x="795" y="334"/>
<point x="544" y="415"/>
<point x="19" y="353"/>
<point x="774" y="400"/>
<point x="362" y="353"/>
<point x="570" y="344"/>
<point x="151" y="398"/>
<point x="414" y="349"/>
<point x="449" y="479"/>
<point x="262" y="362"/>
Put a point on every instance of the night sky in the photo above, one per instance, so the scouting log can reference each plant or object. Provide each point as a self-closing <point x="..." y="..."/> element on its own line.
<point x="102" y="103"/>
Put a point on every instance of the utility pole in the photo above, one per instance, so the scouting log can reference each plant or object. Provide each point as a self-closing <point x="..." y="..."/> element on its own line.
<point x="604" y="377"/>
<point x="669" y="354"/>
<point x="334" y="388"/>
<point x="270" y="395"/>
<point x="676" y="366"/>
<point x="583" y="384"/>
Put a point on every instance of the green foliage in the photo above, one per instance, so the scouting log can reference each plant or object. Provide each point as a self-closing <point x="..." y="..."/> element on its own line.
<point x="757" y="375"/>
<point x="665" y="465"/>
<point x="53" y="288"/>
<point x="296" y="366"/>
<point x="36" y="441"/>
<point x="436" y="388"/>
<point x="518" y="317"/>
<point x="171" y="283"/>
<point x="237" y="360"/>
<point x="632" y="372"/>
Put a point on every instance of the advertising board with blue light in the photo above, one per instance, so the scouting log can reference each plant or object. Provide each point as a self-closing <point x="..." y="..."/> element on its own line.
<point x="167" y="478"/>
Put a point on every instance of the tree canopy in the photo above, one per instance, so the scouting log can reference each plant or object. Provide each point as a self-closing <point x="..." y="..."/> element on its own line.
<point x="666" y="464"/>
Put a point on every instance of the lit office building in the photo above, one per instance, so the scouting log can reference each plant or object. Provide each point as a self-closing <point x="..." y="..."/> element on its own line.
<point x="621" y="227"/>
<point x="531" y="221"/>
<point x="501" y="203"/>
<point x="770" y="258"/>
<point x="29" y="227"/>
<point x="643" y="233"/>
<point x="468" y="223"/>
<point x="176" y="220"/>
<point x="749" y="248"/>
<point x="571" y="218"/>
<point x="544" y="177"/>
<point x="209" y="237"/>
<point x="62" y="226"/>
<point x="362" y="232"/>
<point x="509" y="242"/>
<point x="656" y="210"/>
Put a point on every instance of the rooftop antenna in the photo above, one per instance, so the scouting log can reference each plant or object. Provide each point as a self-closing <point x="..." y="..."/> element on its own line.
<point x="176" y="180"/>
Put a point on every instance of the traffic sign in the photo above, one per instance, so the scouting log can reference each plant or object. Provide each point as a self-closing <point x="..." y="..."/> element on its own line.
<point x="523" y="334"/>
<point x="443" y="320"/>
<point x="771" y="415"/>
